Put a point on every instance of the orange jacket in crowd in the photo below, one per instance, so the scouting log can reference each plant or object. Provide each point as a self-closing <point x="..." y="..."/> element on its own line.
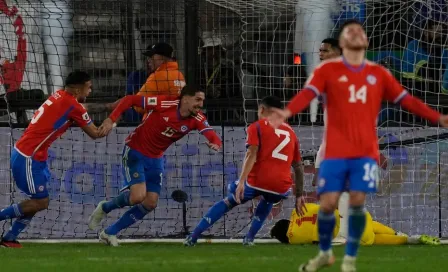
<point x="166" y="80"/>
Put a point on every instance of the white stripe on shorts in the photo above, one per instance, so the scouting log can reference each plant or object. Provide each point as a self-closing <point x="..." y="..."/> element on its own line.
<point x="125" y="164"/>
<point x="29" y="175"/>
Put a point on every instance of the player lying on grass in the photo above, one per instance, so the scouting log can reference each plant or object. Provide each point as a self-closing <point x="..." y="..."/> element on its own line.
<point x="143" y="166"/>
<point x="266" y="172"/>
<point x="302" y="229"/>
<point x="353" y="90"/>
<point x="29" y="156"/>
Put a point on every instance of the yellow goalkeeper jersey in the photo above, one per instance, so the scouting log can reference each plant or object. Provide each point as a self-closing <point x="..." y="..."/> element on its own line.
<point x="303" y="229"/>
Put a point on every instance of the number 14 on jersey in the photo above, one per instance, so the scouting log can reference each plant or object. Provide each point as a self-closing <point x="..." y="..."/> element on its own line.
<point x="357" y="94"/>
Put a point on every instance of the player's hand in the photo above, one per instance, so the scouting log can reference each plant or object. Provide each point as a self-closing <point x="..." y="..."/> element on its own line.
<point x="213" y="146"/>
<point x="239" y="193"/>
<point x="300" y="206"/>
<point x="106" y="127"/>
<point x="278" y="116"/>
<point x="443" y="120"/>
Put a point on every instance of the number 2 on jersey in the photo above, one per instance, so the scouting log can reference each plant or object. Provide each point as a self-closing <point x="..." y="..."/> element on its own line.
<point x="40" y="111"/>
<point x="276" y="152"/>
<point x="360" y="94"/>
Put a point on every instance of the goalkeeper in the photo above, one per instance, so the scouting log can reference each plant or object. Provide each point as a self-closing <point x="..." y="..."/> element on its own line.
<point x="303" y="230"/>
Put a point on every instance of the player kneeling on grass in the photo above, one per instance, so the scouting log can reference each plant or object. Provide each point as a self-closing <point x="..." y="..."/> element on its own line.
<point x="29" y="156"/>
<point x="266" y="172"/>
<point x="143" y="166"/>
<point x="302" y="229"/>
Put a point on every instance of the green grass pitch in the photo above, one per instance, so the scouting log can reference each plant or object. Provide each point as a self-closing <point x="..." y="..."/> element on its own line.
<point x="210" y="257"/>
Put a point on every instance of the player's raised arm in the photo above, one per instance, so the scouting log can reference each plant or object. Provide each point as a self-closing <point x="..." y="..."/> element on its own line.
<point x="395" y="93"/>
<point x="314" y="86"/>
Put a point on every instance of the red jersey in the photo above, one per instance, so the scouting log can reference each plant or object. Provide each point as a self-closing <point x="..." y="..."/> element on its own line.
<point x="352" y="98"/>
<point x="49" y="122"/>
<point x="162" y="127"/>
<point x="277" y="150"/>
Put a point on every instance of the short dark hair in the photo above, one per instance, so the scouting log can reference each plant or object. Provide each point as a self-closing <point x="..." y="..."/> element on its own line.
<point x="77" y="78"/>
<point x="271" y="102"/>
<point x="334" y="43"/>
<point x="347" y="23"/>
<point x="190" y="90"/>
<point x="280" y="231"/>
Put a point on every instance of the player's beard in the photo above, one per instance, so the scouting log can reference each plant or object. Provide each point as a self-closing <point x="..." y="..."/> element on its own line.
<point x="82" y="99"/>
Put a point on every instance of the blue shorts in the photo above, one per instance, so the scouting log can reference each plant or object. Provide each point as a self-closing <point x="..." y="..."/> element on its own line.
<point x="251" y="193"/>
<point x="138" y="168"/>
<point x="31" y="176"/>
<point x="338" y="175"/>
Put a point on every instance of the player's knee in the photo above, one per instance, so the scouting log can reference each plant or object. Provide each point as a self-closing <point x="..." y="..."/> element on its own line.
<point x="138" y="194"/>
<point x="150" y="204"/>
<point x="41" y="204"/>
<point x="151" y="200"/>
<point x="357" y="199"/>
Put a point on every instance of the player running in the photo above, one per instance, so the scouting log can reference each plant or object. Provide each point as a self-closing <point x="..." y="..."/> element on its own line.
<point x="265" y="172"/>
<point x="353" y="90"/>
<point x="29" y="156"/>
<point x="143" y="165"/>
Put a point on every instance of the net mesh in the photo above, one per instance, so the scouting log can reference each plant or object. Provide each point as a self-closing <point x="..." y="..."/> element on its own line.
<point x="257" y="42"/>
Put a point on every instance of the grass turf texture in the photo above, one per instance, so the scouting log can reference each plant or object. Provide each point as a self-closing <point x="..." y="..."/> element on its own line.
<point x="210" y="257"/>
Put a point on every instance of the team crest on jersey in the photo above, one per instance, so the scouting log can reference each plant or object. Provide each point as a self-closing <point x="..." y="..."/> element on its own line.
<point x="135" y="175"/>
<point x="371" y="79"/>
<point x="41" y="188"/>
<point x="183" y="128"/>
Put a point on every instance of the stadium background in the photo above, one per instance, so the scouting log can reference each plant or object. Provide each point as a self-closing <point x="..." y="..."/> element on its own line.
<point x="261" y="39"/>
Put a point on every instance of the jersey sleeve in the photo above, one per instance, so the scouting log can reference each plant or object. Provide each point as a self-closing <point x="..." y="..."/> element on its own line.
<point x="316" y="82"/>
<point x="314" y="86"/>
<point x="202" y="124"/>
<point x="147" y="103"/>
<point x="253" y="135"/>
<point x="297" y="156"/>
<point x="80" y="116"/>
<point x="393" y="91"/>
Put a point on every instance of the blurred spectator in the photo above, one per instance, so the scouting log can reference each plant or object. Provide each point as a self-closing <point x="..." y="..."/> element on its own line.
<point x="218" y="74"/>
<point x="427" y="58"/>
<point x="166" y="78"/>
<point x="134" y="83"/>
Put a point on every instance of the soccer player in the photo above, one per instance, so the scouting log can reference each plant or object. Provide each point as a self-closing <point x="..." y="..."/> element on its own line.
<point x="353" y="90"/>
<point x="29" y="156"/>
<point x="302" y="229"/>
<point x="143" y="165"/>
<point x="329" y="48"/>
<point x="265" y="172"/>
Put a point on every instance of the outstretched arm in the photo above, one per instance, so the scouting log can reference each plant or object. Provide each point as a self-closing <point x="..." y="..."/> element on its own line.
<point x="395" y="93"/>
<point x="148" y="103"/>
<point x="214" y="142"/>
<point x="100" y="107"/>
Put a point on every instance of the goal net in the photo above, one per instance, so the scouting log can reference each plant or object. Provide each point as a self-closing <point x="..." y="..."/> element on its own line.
<point x="262" y="41"/>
